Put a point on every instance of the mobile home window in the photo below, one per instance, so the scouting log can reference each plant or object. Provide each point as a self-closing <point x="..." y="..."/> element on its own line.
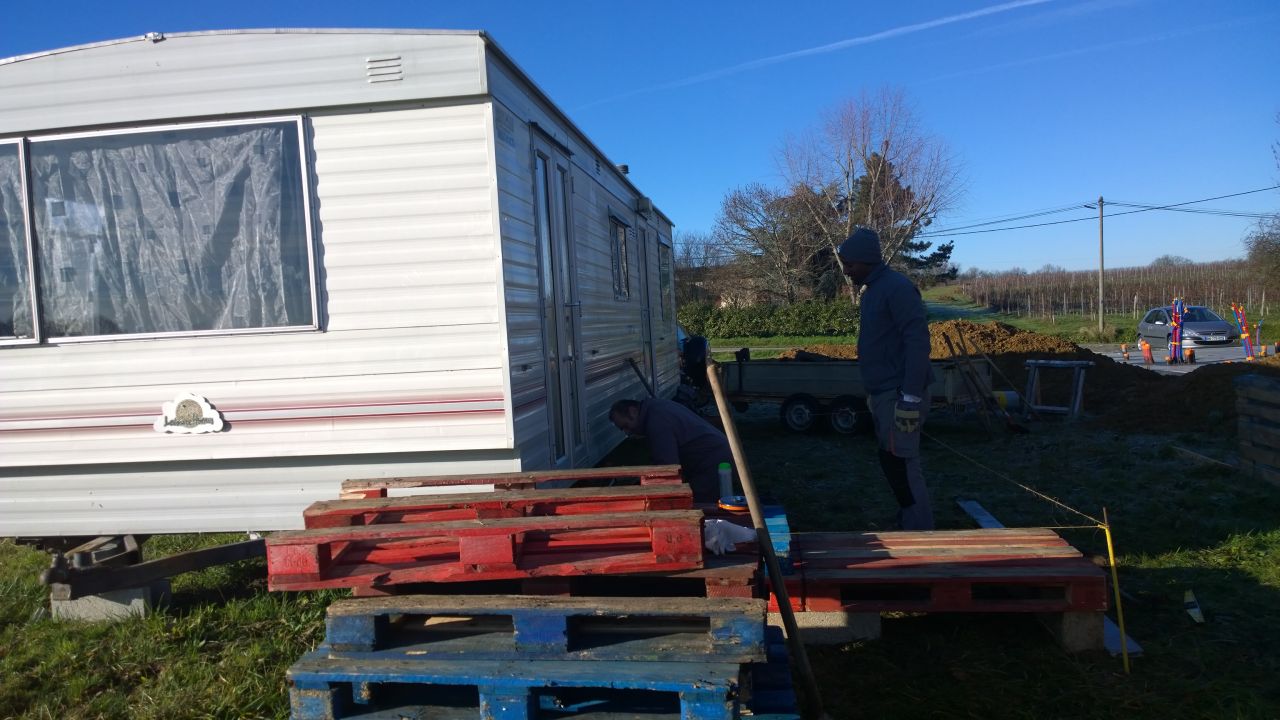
<point x="174" y="230"/>
<point x="17" y="321"/>
<point x="665" y="281"/>
<point x="621" y="270"/>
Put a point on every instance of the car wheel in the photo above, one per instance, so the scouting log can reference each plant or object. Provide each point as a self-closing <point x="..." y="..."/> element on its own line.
<point x="799" y="412"/>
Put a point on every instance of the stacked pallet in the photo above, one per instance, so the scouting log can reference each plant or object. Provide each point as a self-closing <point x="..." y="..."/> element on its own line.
<point x="1258" y="406"/>
<point x="523" y="657"/>
<point x="614" y="608"/>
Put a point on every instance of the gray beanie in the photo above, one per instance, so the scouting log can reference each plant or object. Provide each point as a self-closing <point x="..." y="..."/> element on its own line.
<point x="862" y="246"/>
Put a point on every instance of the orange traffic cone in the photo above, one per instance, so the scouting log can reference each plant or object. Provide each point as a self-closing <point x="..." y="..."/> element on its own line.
<point x="1124" y="351"/>
<point x="1146" y="354"/>
<point x="1189" y="355"/>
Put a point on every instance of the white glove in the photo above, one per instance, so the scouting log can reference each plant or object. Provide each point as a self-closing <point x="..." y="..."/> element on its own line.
<point x="721" y="536"/>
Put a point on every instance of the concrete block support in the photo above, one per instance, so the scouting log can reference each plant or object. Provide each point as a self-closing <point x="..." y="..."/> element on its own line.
<point x="113" y="604"/>
<point x="833" y="628"/>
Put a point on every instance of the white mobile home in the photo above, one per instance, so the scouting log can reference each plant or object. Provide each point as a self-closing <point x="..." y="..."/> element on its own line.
<point x="237" y="268"/>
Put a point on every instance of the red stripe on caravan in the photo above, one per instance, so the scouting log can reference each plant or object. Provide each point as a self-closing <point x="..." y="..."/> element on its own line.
<point x="305" y="418"/>
<point x="154" y="410"/>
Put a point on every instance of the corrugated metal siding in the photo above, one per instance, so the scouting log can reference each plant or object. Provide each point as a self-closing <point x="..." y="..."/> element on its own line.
<point x="413" y="316"/>
<point x="610" y="329"/>
<point x="213" y="74"/>
<point x="521" y="293"/>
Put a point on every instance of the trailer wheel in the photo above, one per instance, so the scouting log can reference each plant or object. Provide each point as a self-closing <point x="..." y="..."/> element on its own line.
<point x="800" y="412"/>
<point x="849" y="415"/>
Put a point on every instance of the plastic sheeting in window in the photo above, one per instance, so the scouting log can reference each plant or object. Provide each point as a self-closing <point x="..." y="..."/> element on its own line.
<point x="187" y="230"/>
<point x="15" y="280"/>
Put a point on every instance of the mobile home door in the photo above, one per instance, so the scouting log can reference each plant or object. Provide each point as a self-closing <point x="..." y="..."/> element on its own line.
<point x="559" y="300"/>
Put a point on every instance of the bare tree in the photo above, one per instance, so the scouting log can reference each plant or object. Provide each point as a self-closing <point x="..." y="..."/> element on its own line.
<point x="697" y="260"/>
<point x="772" y="239"/>
<point x="869" y="162"/>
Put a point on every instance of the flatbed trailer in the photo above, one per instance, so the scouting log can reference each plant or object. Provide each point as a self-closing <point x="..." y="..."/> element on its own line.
<point x="810" y="390"/>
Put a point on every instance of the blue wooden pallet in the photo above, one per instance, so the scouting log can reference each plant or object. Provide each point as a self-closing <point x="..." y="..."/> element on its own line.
<point x="771" y="695"/>
<point x="775" y="521"/>
<point x="509" y="627"/>
<point x="324" y="688"/>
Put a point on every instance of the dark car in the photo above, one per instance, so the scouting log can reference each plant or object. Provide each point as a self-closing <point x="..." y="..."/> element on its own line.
<point x="1200" y="325"/>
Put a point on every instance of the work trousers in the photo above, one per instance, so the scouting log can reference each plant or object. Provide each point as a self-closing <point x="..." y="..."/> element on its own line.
<point x="900" y="461"/>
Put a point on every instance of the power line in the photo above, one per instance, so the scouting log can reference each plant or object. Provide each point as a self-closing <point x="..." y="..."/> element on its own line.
<point x="1140" y="208"/>
<point x="1029" y="215"/>
<point x="1202" y="211"/>
<point x="947" y="232"/>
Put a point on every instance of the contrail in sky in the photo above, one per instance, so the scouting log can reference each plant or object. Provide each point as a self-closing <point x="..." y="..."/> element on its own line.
<point x="1131" y="42"/>
<point x="820" y="49"/>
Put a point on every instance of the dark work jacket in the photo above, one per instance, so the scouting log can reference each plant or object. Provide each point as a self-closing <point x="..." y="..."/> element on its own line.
<point x="893" y="336"/>
<point x="677" y="435"/>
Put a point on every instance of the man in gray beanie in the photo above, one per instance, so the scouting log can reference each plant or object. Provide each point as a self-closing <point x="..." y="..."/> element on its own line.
<point x="893" y="354"/>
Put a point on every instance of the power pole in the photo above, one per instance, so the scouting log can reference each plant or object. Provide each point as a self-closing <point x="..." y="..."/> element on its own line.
<point x="1099" y="266"/>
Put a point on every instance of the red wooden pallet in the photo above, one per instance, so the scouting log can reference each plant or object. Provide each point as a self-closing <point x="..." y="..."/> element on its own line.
<point x="389" y="554"/>
<point x="990" y="570"/>
<point x="643" y="474"/>
<point x="505" y="504"/>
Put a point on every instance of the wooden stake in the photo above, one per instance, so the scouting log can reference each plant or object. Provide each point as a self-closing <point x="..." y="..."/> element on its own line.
<point x="776" y="580"/>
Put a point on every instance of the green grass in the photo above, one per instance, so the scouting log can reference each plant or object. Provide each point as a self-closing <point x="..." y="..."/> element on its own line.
<point x="220" y="650"/>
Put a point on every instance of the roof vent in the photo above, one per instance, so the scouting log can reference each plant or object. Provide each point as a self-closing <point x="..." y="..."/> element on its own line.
<point x="383" y="69"/>
<point x="154" y="37"/>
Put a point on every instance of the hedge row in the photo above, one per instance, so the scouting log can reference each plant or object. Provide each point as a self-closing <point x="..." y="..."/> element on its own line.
<point x="813" y="317"/>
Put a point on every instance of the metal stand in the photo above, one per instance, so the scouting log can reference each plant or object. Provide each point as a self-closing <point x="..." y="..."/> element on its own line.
<point x="105" y="578"/>
<point x="1072" y="409"/>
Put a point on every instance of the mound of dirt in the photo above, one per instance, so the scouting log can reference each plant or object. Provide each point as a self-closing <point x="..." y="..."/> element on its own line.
<point x="992" y="338"/>
<point x="821" y="352"/>
<point x="1204" y="398"/>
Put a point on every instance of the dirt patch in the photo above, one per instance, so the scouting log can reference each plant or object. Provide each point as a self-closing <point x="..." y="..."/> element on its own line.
<point x="1121" y="396"/>
<point x="821" y="352"/>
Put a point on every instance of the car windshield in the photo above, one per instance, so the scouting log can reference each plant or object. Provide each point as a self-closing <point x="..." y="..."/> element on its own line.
<point x="1200" y="314"/>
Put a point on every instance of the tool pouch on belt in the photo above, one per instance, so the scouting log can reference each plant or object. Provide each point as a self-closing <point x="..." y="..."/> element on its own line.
<point x="904" y="439"/>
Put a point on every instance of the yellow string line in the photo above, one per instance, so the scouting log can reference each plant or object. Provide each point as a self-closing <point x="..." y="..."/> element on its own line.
<point x="1033" y="491"/>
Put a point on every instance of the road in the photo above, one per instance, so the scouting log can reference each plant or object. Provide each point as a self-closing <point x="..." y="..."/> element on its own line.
<point x="1205" y="355"/>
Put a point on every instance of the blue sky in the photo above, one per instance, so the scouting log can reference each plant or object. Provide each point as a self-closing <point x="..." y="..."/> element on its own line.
<point x="1044" y="103"/>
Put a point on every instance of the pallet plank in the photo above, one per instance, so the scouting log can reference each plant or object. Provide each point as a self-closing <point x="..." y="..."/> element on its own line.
<point x="643" y="474"/>
<point x="513" y="503"/>
<point x="505" y="689"/>
<point x="1258" y="388"/>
